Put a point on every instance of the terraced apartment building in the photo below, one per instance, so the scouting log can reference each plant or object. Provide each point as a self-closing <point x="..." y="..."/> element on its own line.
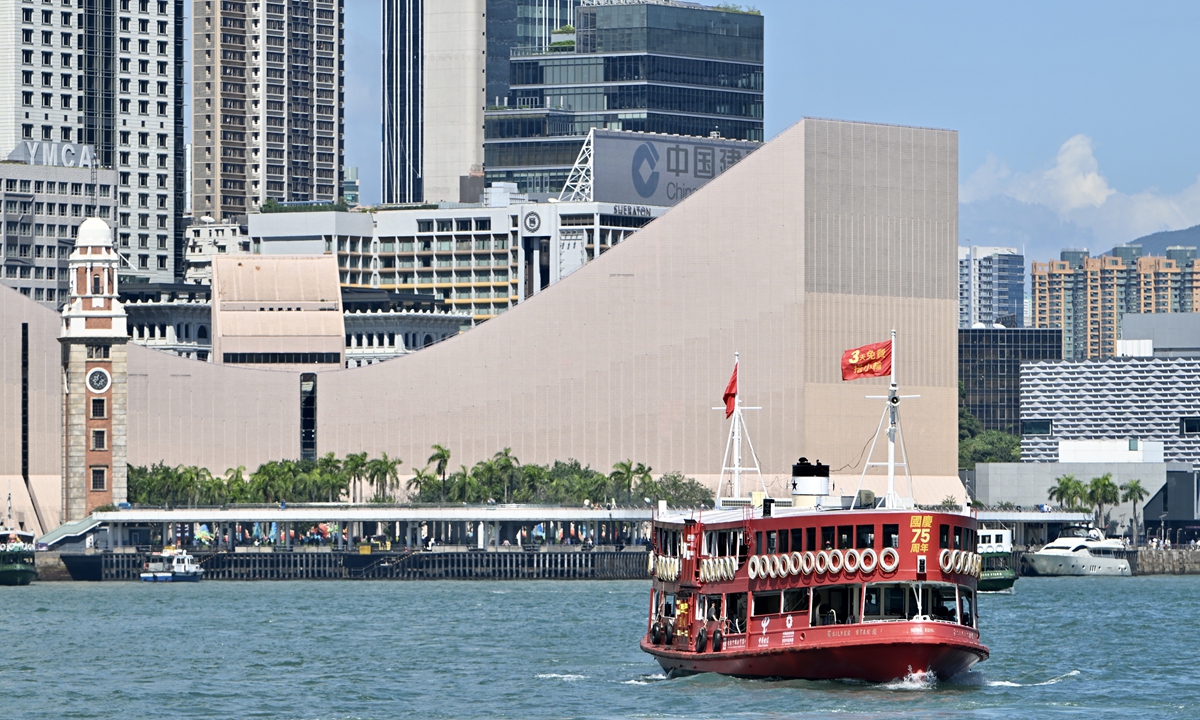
<point x="268" y="112"/>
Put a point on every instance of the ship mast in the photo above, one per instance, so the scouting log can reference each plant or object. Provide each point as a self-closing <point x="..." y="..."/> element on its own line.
<point x="733" y="446"/>
<point x="891" y="413"/>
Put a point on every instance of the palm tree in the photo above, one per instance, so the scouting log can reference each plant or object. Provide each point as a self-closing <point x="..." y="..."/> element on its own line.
<point x="354" y="466"/>
<point x="441" y="460"/>
<point x="505" y="465"/>
<point x="383" y="475"/>
<point x="641" y="473"/>
<point x="1067" y="492"/>
<point x="420" y="484"/>
<point x="1133" y="492"/>
<point x="622" y="478"/>
<point x="332" y="478"/>
<point x="1102" y="491"/>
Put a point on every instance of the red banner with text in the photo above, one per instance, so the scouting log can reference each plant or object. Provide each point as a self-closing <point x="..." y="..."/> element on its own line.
<point x="873" y="360"/>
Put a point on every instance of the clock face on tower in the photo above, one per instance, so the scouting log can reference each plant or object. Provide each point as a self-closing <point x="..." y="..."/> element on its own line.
<point x="97" y="380"/>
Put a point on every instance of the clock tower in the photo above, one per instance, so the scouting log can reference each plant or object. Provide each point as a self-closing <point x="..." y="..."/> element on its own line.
<point x="94" y="376"/>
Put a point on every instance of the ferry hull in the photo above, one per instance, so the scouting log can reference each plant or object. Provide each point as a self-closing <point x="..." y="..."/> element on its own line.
<point x="895" y="652"/>
<point x="16" y="574"/>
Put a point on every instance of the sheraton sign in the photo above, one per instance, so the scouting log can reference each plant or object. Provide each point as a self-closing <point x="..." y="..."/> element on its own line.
<point x="54" y="154"/>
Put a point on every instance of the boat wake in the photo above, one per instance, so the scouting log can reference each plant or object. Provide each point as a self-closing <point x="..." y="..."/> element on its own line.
<point x="645" y="679"/>
<point x="914" y="680"/>
<point x="560" y="676"/>
<point x="1051" y="681"/>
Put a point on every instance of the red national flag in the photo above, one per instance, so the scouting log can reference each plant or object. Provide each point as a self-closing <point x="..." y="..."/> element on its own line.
<point x="873" y="360"/>
<point x="730" y="393"/>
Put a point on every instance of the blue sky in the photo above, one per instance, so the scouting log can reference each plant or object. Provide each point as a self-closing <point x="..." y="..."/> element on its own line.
<point x="1077" y="121"/>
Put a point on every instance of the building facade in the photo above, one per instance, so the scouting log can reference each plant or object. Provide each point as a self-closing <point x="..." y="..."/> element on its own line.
<point x="106" y="74"/>
<point x="1086" y="296"/>
<point x="481" y="259"/>
<point x="989" y="368"/>
<point x="442" y="65"/>
<point x="626" y="357"/>
<point x="43" y="206"/>
<point x="991" y="287"/>
<point x="1133" y="399"/>
<point x="268" y="110"/>
<point x="661" y="67"/>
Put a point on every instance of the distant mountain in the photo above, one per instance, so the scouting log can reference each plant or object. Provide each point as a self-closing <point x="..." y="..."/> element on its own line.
<point x="1157" y="243"/>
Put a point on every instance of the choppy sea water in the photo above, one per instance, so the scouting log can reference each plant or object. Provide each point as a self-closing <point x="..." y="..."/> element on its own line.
<point x="1121" y="647"/>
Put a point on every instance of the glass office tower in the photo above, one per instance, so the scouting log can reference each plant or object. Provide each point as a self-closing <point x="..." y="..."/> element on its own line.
<point x="652" y="67"/>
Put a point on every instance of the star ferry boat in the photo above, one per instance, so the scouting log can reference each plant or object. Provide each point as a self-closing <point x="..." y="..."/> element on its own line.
<point x="821" y="587"/>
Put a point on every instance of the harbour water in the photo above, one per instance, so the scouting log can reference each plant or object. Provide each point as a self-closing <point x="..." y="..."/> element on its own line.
<point x="1070" y="647"/>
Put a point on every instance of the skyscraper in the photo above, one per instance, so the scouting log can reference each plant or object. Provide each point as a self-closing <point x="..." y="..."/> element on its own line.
<point x="106" y="74"/>
<point x="652" y="66"/>
<point x="443" y="63"/>
<point x="268" y="94"/>
<point x="991" y="286"/>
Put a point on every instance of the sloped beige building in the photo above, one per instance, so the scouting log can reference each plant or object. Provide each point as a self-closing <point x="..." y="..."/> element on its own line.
<point x="825" y="239"/>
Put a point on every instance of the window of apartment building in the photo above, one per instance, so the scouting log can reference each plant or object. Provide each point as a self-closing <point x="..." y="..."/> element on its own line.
<point x="1189" y="426"/>
<point x="99" y="440"/>
<point x="99" y="478"/>
<point x="99" y="407"/>
<point x="1037" y="427"/>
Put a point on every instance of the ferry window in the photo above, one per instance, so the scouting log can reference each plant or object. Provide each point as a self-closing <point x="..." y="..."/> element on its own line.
<point x="943" y="536"/>
<point x="668" y="606"/>
<point x="940" y="603"/>
<point x="864" y="537"/>
<point x="712" y="604"/>
<point x="737" y="612"/>
<point x="795" y="600"/>
<point x="766" y="603"/>
<point x="871" y="601"/>
<point x="810" y="539"/>
<point x="783" y="541"/>
<point x="845" y="537"/>
<point x="826" y="538"/>
<point x="893" y="601"/>
<point x="772" y="545"/>
<point x="723" y="543"/>
<point x="835" y="604"/>
<point x="798" y="540"/>
<point x="958" y="538"/>
<point x="966" y="607"/>
<point x="758" y="543"/>
<point x="985" y="539"/>
<point x="891" y="536"/>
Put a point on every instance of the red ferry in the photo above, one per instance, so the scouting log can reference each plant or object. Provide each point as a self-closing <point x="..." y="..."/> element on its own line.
<point x="873" y="593"/>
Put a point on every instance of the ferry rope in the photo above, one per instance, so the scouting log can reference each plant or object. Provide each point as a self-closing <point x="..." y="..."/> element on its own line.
<point x="889" y="560"/>
<point x="867" y="561"/>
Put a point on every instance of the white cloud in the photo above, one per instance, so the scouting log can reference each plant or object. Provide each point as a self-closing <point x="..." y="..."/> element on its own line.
<point x="1074" y="188"/>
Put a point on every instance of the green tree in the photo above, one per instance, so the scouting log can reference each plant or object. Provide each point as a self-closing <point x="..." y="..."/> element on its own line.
<point x="677" y="490"/>
<point x="441" y="460"/>
<point x="1102" y="491"/>
<point x="504" y="466"/>
<point x="355" y="466"/>
<point x="1133" y="492"/>
<point x="622" y="478"/>
<point x="968" y="425"/>
<point x="989" y="446"/>
<point x="422" y="486"/>
<point x="1067" y="491"/>
<point x="384" y="476"/>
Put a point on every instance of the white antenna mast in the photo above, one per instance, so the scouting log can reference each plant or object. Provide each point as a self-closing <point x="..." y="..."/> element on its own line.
<point x="891" y="413"/>
<point x="733" y="446"/>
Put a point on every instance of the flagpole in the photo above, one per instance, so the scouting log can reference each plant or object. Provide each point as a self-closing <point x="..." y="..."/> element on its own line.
<point x="737" y="433"/>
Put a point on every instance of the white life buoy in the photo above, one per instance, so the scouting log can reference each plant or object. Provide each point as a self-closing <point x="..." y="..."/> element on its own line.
<point x="797" y="563"/>
<point x="822" y="562"/>
<point x="752" y="567"/>
<point x="810" y="562"/>
<point x="852" y="561"/>
<point x="785" y="565"/>
<point x="889" y="560"/>
<point x="772" y="564"/>
<point x="978" y="567"/>
<point x="651" y="561"/>
<point x="705" y="571"/>
<point x="945" y="560"/>
<point x="836" y="559"/>
<point x="730" y="567"/>
<point x="960" y="558"/>
<point x="867" y="561"/>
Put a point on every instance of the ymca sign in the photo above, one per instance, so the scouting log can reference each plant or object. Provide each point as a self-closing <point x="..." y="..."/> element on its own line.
<point x="54" y="154"/>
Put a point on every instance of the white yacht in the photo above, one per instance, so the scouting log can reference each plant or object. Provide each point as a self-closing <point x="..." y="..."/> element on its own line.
<point x="1079" y="550"/>
<point x="172" y="565"/>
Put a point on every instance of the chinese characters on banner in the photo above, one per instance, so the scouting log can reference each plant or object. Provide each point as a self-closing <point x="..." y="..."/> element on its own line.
<point x="873" y="360"/>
